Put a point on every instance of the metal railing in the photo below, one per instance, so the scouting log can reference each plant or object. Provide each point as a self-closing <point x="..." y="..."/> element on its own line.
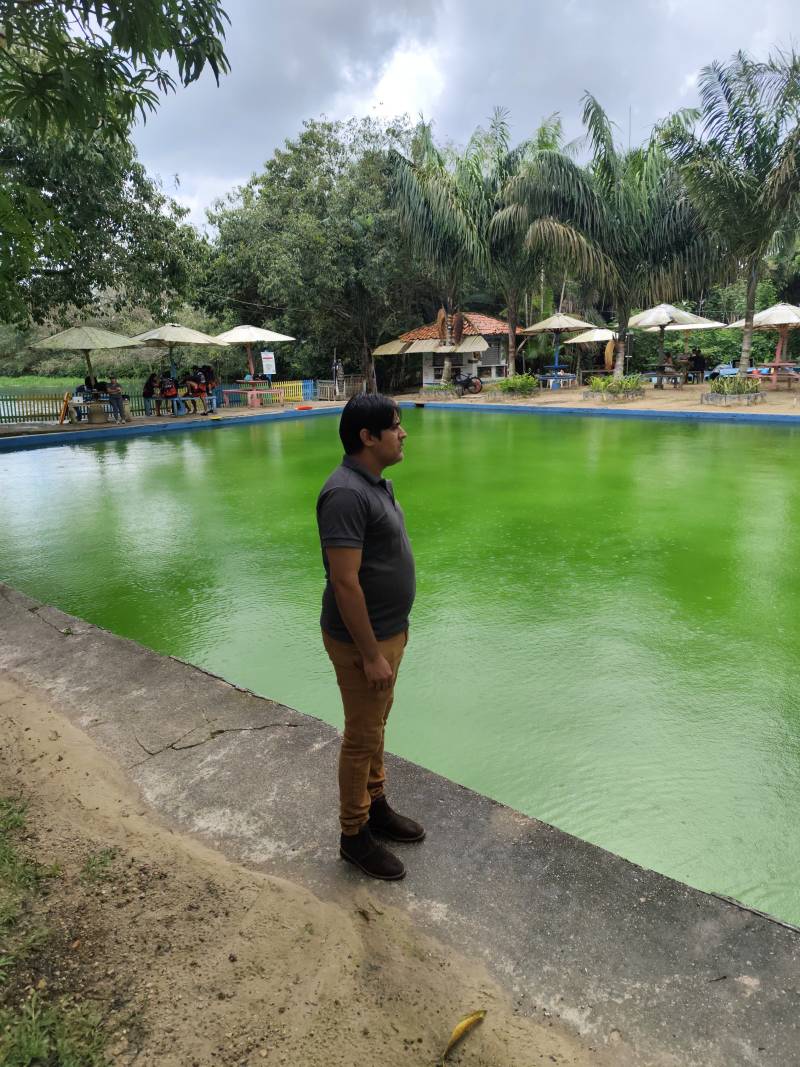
<point x="30" y="408"/>
<point x="46" y="406"/>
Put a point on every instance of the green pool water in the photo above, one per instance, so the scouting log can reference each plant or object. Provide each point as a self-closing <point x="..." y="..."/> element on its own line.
<point x="606" y="631"/>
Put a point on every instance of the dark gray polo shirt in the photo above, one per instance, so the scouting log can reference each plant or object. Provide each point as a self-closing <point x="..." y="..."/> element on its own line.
<point x="356" y="509"/>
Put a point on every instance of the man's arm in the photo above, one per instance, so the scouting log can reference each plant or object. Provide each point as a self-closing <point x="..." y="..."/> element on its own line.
<point x="344" y="565"/>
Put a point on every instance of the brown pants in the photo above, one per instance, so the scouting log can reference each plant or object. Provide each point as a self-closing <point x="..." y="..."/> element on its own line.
<point x="361" y="770"/>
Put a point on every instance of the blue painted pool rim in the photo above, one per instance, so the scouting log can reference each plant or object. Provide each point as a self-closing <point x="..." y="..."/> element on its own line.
<point x="611" y="413"/>
<point x="25" y="442"/>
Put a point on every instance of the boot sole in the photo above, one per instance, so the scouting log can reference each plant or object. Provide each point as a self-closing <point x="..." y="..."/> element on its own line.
<point x="380" y="877"/>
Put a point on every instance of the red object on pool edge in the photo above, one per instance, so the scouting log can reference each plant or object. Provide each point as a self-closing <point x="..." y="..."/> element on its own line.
<point x="304" y="407"/>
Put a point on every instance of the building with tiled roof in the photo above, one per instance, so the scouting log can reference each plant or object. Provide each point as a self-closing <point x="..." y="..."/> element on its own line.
<point x="487" y="358"/>
<point x="475" y="325"/>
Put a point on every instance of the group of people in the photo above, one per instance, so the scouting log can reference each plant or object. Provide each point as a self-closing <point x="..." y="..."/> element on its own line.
<point x="182" y="396"/>
<point x="694" y="364"/>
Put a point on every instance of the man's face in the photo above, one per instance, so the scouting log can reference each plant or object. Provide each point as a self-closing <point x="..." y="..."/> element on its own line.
<point x="388" y="448"/>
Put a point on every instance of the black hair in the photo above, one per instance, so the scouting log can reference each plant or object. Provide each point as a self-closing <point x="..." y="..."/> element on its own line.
<point x="366" y="411"/>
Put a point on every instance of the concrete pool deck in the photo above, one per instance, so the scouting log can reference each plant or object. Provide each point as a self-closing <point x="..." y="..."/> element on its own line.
<point x="780" y="407"/>
<point x="659" y="972"/>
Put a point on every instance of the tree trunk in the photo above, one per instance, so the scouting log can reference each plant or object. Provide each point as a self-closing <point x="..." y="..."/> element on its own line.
<point x="447" y="368"/>
<point x="513" y="312"/>
<point x="368" y="364"/>
<point x="622" y="339"/>
<point x="750" y="309"/>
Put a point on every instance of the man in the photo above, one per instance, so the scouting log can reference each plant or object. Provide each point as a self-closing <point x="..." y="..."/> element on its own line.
<point x="369" y="592"/>
<point x="114" y="391"/>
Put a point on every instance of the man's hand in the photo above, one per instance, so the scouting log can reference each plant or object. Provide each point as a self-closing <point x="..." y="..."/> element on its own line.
<point x="379" y="673"/>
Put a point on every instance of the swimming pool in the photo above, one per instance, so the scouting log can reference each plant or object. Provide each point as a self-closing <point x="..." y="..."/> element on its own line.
<point x="606" y="632"/>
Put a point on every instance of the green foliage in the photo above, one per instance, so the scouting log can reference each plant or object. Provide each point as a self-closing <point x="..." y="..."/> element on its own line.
<point x="126" y="239"/>
<point x="311" y="247"/>
<point x="613" y="386"/>
<point x="17" y="874"/>
<point x="97" y="866"/>
<point x="62" y="1035"/>
<point x="740" y="160"/>
<point x="86" y="65"/>
<point x="454" y="211"/>
<point x="735" y="385"/>
<point x="519" y="385"/>
<point x="632" y="211"/>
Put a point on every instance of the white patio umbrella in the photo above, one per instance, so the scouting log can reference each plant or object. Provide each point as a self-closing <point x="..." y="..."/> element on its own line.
<point x="780" y="317"/>
<point x="591" y="336"/>
<point x="251" y="335"/>
<point x="171" y="334"/>
<point x="85" y="339"/>
<point x="664" y="317"/>
<point x="558" y="324"/>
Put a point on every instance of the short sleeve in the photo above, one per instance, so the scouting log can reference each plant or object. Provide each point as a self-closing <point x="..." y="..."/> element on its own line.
<point x="342" y="516"/>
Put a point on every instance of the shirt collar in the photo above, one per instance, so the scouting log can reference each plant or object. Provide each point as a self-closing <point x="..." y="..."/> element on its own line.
<point x="352" y="464"/>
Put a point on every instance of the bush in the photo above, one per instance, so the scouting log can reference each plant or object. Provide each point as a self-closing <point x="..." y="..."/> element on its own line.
<point x="519" y="385"/>
<point x="629" y="383"/>
<point x="735" y="386"/>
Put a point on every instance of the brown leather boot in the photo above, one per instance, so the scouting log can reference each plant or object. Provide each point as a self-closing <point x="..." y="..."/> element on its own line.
<point x="384" y="820"/>
<point x="365" y="852"/>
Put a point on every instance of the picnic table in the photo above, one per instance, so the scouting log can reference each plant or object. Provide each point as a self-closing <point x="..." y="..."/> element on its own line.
<point x="558" y="381"/>
<point x="676" y="378"/>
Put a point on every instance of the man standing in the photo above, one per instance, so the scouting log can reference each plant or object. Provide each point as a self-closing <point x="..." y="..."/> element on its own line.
<point x="368" y="596"/>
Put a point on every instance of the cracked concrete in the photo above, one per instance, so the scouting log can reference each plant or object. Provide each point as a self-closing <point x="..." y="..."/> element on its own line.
<point x="663" y="973"/>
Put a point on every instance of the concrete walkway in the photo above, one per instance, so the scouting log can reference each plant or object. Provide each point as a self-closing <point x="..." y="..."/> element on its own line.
<point x="663" y="973"/>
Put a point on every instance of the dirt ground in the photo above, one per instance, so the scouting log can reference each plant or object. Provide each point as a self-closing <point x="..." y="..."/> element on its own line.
<point x="192" y="960"/>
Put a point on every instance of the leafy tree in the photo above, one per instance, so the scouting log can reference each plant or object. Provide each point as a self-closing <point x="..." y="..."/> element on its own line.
<point x="633" y="207"/>
<point x="741" y="162"/>
<point x="84" y="64"/>
<point x="125" y="236"/>
<point x="73" y="76"/>
<point x="311" y="246"/>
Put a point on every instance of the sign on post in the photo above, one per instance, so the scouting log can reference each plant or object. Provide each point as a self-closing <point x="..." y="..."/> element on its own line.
<point x="268" y="362"/>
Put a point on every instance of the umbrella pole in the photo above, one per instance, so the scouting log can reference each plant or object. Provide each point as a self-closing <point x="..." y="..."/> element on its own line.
<point x="557" y="337"/>
<point x="173" y="370"/>
<point x="782" y="337"/>
<point x="92" y="379"/>
<point x="250" y="363"/>
<point x="661" y="345"/>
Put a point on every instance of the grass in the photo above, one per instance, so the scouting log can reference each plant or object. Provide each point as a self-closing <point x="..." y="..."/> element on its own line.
<point x="38" y="1033"/>
<point x="36" y="383"/>
<point x="98" y="865"/>
<point x="47" y="1035"/>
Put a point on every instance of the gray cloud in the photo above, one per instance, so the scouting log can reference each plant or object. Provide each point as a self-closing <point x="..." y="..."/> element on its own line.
<point x="292" y="61"/>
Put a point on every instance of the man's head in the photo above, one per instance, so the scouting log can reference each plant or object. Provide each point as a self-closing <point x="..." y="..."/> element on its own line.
<point x="112" y="380"/>
<point x="370" y="428"/>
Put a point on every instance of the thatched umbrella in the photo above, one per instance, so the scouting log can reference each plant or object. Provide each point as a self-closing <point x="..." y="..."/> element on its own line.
<point x="248" y="336"/>
<point x="594" y="336"/>
<point x="667" y="317"/>
<point x="558" y="324"/>
<point x="780" y="317"/>
<point x="85" y="339"/>
<point x="171" y="334"/>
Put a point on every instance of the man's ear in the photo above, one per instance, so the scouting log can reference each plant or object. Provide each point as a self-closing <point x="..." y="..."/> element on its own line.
<point x="366" y="437"/>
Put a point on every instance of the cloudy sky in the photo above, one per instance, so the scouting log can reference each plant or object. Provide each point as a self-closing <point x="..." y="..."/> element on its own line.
<point x="453" y="60"/>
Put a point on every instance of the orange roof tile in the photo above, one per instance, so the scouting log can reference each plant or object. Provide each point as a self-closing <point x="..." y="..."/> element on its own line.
<point x="474" y="324"/>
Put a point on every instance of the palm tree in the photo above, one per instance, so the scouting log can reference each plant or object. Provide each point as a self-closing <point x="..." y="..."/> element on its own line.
<point x="740" y="160"/>
<point x="434" y="200"/>
<point x="631" y="205"/>
<point x="455" y="211"/>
